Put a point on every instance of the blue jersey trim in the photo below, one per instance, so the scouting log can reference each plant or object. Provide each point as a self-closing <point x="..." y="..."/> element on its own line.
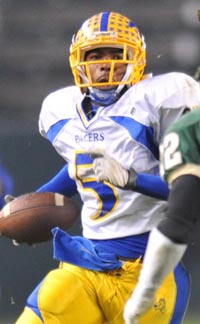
<point x="104" y="21"/>
<point x="182" y="279"/>
<point x="55" y="129"/>
<point x="139" y="132"/>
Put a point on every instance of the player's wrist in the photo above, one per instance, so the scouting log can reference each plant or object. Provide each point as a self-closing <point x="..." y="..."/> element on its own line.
<point x="132" y="178"/>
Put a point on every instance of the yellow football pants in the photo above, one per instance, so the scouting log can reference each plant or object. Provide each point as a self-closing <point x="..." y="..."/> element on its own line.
<point x="72" y="295"/>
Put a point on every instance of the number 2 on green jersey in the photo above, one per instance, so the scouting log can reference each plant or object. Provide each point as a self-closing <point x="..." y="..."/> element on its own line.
<point x="170" y="155"/>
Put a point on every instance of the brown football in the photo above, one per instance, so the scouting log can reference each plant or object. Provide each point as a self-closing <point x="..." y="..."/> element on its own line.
<point x="30" y="218"/>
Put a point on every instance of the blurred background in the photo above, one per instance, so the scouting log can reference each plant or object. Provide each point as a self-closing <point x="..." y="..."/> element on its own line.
<point x="34" y="49"/>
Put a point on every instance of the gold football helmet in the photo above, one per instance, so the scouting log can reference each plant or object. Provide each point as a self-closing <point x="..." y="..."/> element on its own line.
<point x="108" y="29"/>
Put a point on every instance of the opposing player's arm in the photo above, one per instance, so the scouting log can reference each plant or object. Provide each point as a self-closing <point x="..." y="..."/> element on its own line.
<point x="168" y="241"/>
<point x="183" y="209"/>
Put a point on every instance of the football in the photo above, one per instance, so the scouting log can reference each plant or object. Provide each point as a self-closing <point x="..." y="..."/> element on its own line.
<point x="30" y="218"/>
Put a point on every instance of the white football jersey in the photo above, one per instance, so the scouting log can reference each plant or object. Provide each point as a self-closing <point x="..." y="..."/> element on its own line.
<point x="129" y="131"/>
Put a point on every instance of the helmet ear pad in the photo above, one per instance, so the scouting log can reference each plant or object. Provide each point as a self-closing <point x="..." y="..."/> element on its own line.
<point x="108" y="29"/>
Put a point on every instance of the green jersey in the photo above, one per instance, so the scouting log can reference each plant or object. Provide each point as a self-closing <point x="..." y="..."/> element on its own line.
<point x="180" y="147"/>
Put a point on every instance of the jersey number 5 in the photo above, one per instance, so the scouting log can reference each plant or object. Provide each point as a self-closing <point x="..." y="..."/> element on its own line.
<point x="105" y="194"/>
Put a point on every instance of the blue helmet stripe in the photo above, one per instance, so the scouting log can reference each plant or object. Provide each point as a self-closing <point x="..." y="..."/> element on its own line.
<point x="104" y="21"/>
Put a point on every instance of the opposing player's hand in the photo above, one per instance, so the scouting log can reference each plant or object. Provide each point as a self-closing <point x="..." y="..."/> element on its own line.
<point x="138" y="304"/>
<point x="130" y="313"/>
<point x="108" y="169"/>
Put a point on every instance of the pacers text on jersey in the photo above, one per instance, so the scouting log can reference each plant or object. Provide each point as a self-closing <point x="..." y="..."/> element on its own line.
<point x="90" y="137"/>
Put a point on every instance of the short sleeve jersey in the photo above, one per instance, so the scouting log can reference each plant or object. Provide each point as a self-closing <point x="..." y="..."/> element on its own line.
<point x="180" y="147"/>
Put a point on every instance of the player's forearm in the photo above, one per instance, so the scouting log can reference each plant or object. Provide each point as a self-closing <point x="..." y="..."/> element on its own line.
<point x="151" y="185"/>
<point x="60" y="183"/>
<point x="106" y="168"/>
<point x="159" y="249"/>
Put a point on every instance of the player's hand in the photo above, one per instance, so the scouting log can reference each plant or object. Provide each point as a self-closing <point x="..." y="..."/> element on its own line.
<point x="8" y="198"/>
<point x="108" y="169"/>
<point x="138" y="304"/>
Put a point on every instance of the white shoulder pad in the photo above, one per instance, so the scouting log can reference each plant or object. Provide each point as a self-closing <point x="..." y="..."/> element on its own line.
<point x="58" y="105"/>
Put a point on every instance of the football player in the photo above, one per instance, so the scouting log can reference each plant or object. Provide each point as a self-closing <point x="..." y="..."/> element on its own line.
<point x="107" y="128"/>
<point x="180" y="166"/>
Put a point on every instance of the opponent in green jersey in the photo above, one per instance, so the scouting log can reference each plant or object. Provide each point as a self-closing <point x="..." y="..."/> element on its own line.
<point x="180" y="148"/>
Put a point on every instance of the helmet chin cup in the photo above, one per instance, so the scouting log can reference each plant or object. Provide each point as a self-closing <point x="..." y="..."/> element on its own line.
<point x="102" y="97"/>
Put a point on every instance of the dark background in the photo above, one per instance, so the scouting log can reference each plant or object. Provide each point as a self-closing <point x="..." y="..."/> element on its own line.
<point x="34" y="48"/>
